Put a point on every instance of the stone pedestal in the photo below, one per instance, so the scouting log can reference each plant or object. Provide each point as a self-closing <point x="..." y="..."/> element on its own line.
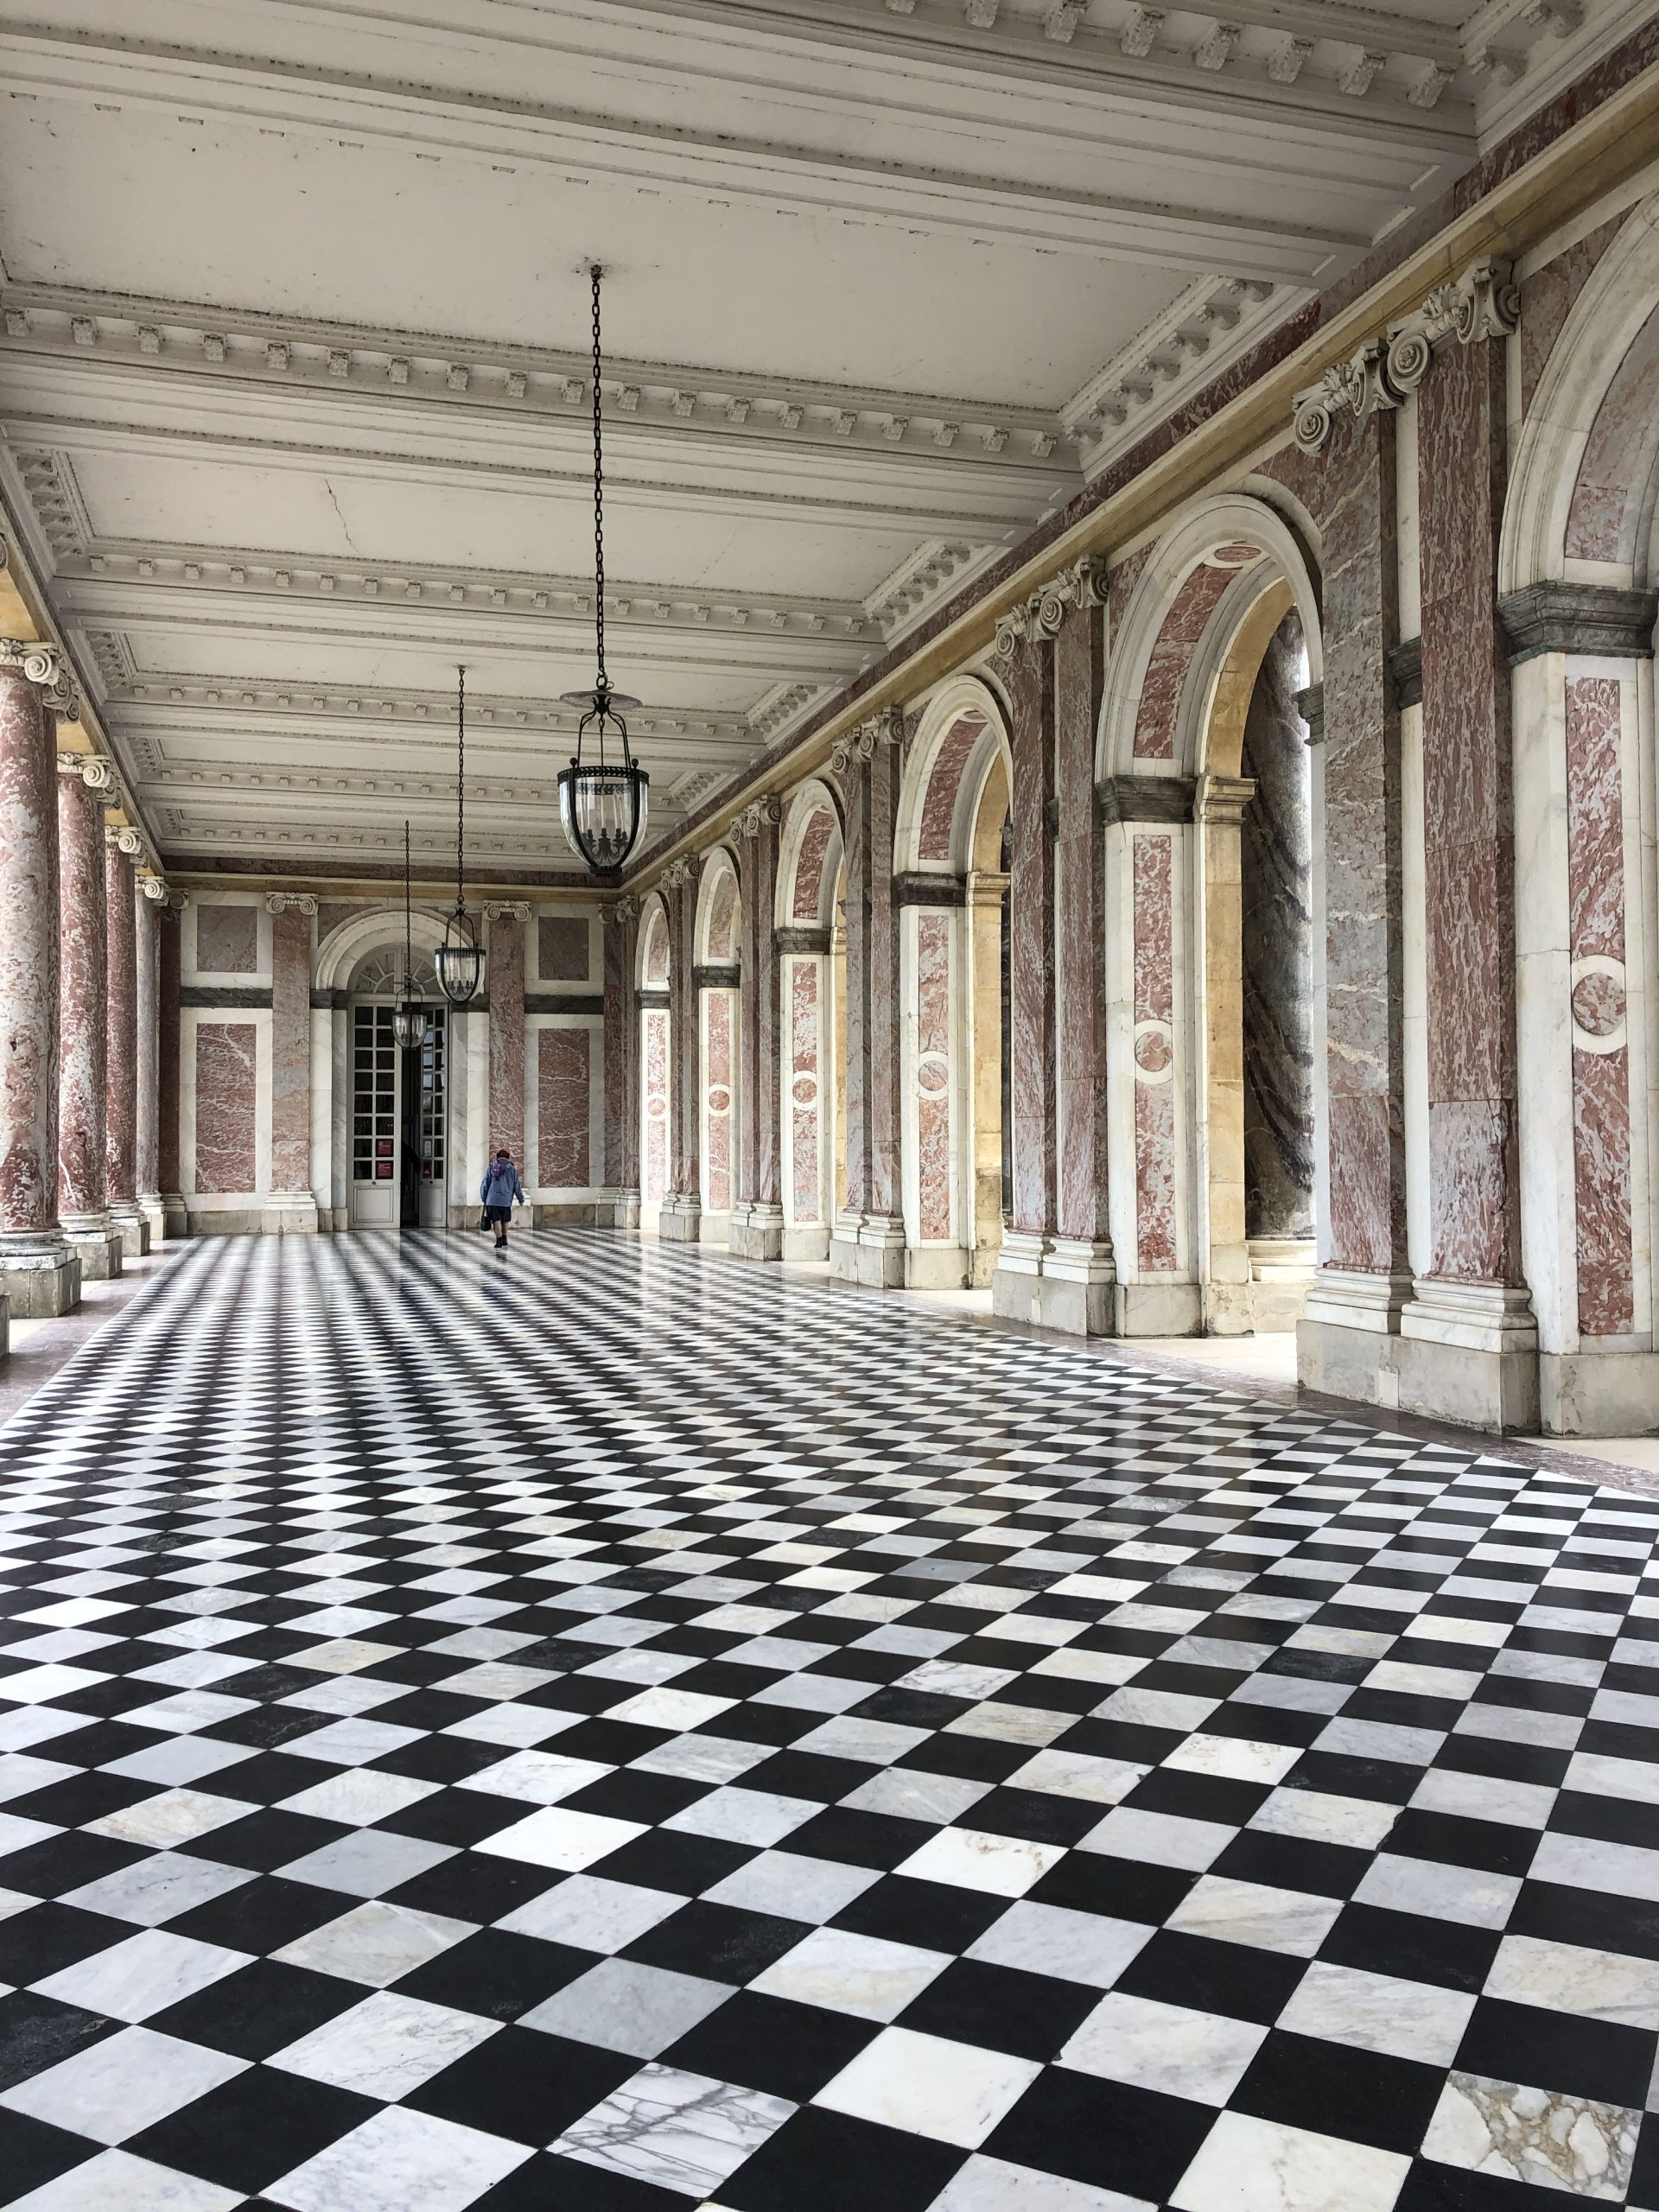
<point x="41" y="1274"/>
<point x="288" y="1213"/>
<point x="680" y="1221"/>
<point x="1078" y="1277"/>
<point x="868" y="1249"/>
<point x="1016" y="1286"/>
<point x="619" y="1209"/>
<point x="1281" y="1275"/>
<point x="757" y="1231"/>
<point x="1347" y="1339"/>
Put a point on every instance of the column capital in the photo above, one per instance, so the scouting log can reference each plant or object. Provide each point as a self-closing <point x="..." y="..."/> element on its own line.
<point x="125" y="838"/>
<point x="620" y="910"/>
<point x="757" y="814"/>
<point x="279" y="902"/>
<point x="43" y="665"/>
<point x="513" y="910"/>
<point x="1039" y="618"/>
<point x="1484" y="302"/>
<point x="156" y="890"/>
<point x="94" y="771"/>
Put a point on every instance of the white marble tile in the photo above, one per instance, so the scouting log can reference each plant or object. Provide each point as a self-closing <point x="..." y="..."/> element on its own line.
<point x="115" y="2181"/>
<point x="792" y="1887"/>
<point x="1163" y="1839"/>
<point x="1246" y="2165"/>
<point x="848" y="1973"/>
<point x="537" y="1778"/>
<point x="984" y="2184"/>
<point x="739" y="1816"/>
<point x="566" y="1841"/>
<point x="590" y="1914"/>
<point x="1424" y="1885"/>
<point x="1199" y="2055"/>
<point x="909" y="1794"/>
<point x="387" y="2046"/>
<point x="1379" y="2012"/>
<point x="1075" y="1774"/>
<point x="376" y="1943"/>
<point x="1292" y="1921"/>
<point x="1565" y="1977"/>
<point x="621" y="2004"/>
<point x="956" y="1678"/>
<point x="1484" y="1797"/>
<point x="355" y="1739"/>
<point x="1524" y="2134"/>
<point x="180" y="1760"/>
<point x="360" y="1796"/>
<point x="849" y="1736"/>
<point x="953" y="2092"/>
<point x="683" y="2132"/>
<point x="1360" y="1823"/>
<point x="518" y="1724"/>
<point x="1012" y="1724"/>
<point x="19" y="1772"/>
<point x="157" y="1889"/>
<point x="144" y="1976"/>
<point x="667" y="1707"/>
<point x="973" y="1859"/>
<point x="400" y="2161"/>
<point x="1633" y="1780"/>
<point x="1235" y="1758"/>
<point x="367" y="1862"/>
<point x="1157" y="1709"/>
<point x="1088" y="1948"/>
<point x="115" y="2089"/>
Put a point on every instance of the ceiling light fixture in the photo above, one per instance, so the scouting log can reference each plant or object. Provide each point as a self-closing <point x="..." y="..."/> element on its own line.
<point x="460" y="958"/>
<point x="409" y="1021"/>
<point x="603" y="800"/>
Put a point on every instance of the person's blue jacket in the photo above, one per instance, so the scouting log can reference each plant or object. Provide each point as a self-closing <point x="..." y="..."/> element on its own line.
<point x="501" y="1185"/>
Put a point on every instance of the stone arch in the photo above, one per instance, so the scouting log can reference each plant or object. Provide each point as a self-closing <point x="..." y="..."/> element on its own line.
<point x="1582" y="482"/>
<point x="962" y="733"/>
<point x="1195" y="592"/>
<point x="716" y="928"/>
<point x="656" y="1049"/>
<point x="346" y="950"/>
<point x="809" y="858"/>
<point x="652" y="959"/>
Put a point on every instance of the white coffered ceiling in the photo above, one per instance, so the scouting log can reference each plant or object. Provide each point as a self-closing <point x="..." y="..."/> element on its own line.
<point x="294" y="384"/>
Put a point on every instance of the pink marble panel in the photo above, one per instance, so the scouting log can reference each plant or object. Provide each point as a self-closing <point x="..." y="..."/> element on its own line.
<point x="655" y="967"/>
<point x="563" y="948"/>
<point x="564" y="1108"/>
<point x="933" y="1074"/>
<point x="226" y="1062"/>
<point x="1033" y="1045"/>
<point x="620" y="1055"/>
<point x="1608" y="499"/>
<point x="1153" y="1051"/>
<point x="943" y="784"/>
<point x="290" y="1050"/>
<point x="227" y="940"/>
<point x="806" y="904"/>
<point x="805" y="1100"/>
<point x="507" y="981"/>
<point x="1547" y="299"/>
<point x="83" y="1171"/>
<point x="121" y="980"/>
<point x="654" y="1148"/>
<point x="723" y="918"/>
<point x="170" y="953"/>
<point x="1165" y="677"/>
<point x="334" y="914"/>
<point x="1079" y="930"/>
<point x="717" y="1165"/>
<point x="1601" y="1100"/>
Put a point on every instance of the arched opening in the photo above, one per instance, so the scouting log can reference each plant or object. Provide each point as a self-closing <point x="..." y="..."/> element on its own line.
<point x="397" y="1099"/>
<point x="812" y="958"/>
<point x="655" y="1062"/>
<point x="718" y="1015"/>
<point x="989" y="1014"/>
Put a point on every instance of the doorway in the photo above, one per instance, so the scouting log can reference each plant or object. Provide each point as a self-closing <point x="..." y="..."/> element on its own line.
<point x="398" y="1123"/>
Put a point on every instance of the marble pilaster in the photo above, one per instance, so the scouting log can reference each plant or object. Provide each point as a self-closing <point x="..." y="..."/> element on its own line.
<point x="147" y="896"/>
<point x="83" y="998"/>
<point x="170" y="960"/>
<point x="621" y="1065"/>
<point x="290" y="1204"/>
<point x="1029" y="681"/>
<point x="121" y="1126"/>
<point x="681" y="1219"/>
<point x="757" y="1231"/>
<point x="508" y="921"/>
<point x="39" y="1272"/>
<point x="867" y="1244"/>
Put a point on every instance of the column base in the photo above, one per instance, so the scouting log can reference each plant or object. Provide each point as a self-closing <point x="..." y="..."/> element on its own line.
<point x="881" y="1252"/>
<point x="843" y="1245"/>
<point x="806" y="1244"/>
<point x="126" y="1216"/>
<point x="1157" y="1309"/>
<point x="1469" y="1353"/>
<point x="96" y="1241"/>
<point x="757" y="1231"/>
<point x="150" y="1205"/>
<point x="1282" y="1269"/>
<point x="288" y="1213"/>
<point x="680" y="1221"/>
<point x="938" y="1267"/>
<point x="1080" y="1275"/>
<point x="621" y="1209"/>
<point x="1015" y="1292"/>
<point x="175" y="1215"/>
<point x="716" y="1227"/>
<point x="1598" y="1393"/>
<point x="39" y="1275"/>
<point x="1347" y="1338"/>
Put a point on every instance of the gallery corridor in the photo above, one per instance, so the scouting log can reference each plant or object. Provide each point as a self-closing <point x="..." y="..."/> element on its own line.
<point x="734" y="1742"/>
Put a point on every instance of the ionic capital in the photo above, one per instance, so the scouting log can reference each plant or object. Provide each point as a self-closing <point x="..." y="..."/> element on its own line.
<point x="512" y="909"/>
<point x="279" y="902"/>
<point x="757" y="814"/>
<point x="1039" y="618"/>
<point x="156" y="890"/>
<point x="125" y="838"/>
<point x="1485" y="302"/>
<point x="43" y="665"/>
<point x="96" y="773"/>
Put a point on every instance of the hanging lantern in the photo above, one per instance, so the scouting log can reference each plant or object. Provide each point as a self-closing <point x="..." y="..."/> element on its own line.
<point x="460" y="958"/>
<point x="409" y="1021"/>
<point x="604" y="794"/>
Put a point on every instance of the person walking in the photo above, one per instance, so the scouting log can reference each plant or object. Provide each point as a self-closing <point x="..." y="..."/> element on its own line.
<point x="497" y="1192"/>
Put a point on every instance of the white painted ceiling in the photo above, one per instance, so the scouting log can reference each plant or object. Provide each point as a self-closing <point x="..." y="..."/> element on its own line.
<point x="294" y="386"/>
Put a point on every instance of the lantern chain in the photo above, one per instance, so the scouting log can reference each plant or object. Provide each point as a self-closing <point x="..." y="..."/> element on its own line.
<point x="461" y="782"/>
<point x="603" y="683"/>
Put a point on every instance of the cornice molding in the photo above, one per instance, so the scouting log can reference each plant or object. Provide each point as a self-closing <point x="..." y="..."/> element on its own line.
<point x="1145" y="798"/>
<point x="1588" y="619"/>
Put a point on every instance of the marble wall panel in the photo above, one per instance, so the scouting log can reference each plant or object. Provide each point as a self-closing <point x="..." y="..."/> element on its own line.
<point x="506" y="984"/>
<point x="334" y="914"/>
<point x="226" y="1078"/>
<point x="723" y="918"/>
<point x="227" y="940"/>
<point x="934" y="1075"/>
<point x="290" y="1050"/>
<point x="564" y="1108"/>
<point x="805" y="1099"/>
<point x="944" y="785"/>
<point x="621" y="1057"/>
<point x="1172" y="656"/>
<point x="1601" y="1075"/>
<point x="718" y="1075"/>
<point x="83" y="1077"/>
<point x="145" y="925"/>
<point x="654" y="969"/>
<point x="1608" y="499"/>
<point x="809" y="856"/>
<point x="1468" y="834"/>
<point x="1154" y="1052"/>
<point x="685" y="1046"/>
<point x="654" y="1155"/>
<point x="1080" y="930"/>
<point x="1277" y="945"/>
<point x="1030" y="938"/>
<point x="563" y="948"/>
<point x="760" y="1041"/>
<point x="121" y="978"/>
<point x="169" y="962"/>
<point x="1547" y="299"/>
<point x="855" y="1029"/>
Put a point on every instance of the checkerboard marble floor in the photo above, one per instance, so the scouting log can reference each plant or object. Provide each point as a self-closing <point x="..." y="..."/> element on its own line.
<point x="612" y="1730"/>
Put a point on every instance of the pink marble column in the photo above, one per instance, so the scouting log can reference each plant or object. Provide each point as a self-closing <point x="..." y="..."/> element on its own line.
<point x="757" y="1218"/>
<point x="621" y="1065"/>
<point x="169" y="955"/>
<point x="38" y="1272"/>
<point x="855" y="1043"/>
<point x="506" y="975"/>
<point x="291" y="1205"/>
<point x="83" y="999"/>
<point x="1362" y="1280"/>
<point x="121" y="1128"/>
<point x="681" y="1219"/>
<point x="147" y="896"/>
<point x="1079" y="1269"/>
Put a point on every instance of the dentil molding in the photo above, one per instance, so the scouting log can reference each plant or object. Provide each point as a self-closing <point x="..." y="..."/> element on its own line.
<point x="1485" y="302"/>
